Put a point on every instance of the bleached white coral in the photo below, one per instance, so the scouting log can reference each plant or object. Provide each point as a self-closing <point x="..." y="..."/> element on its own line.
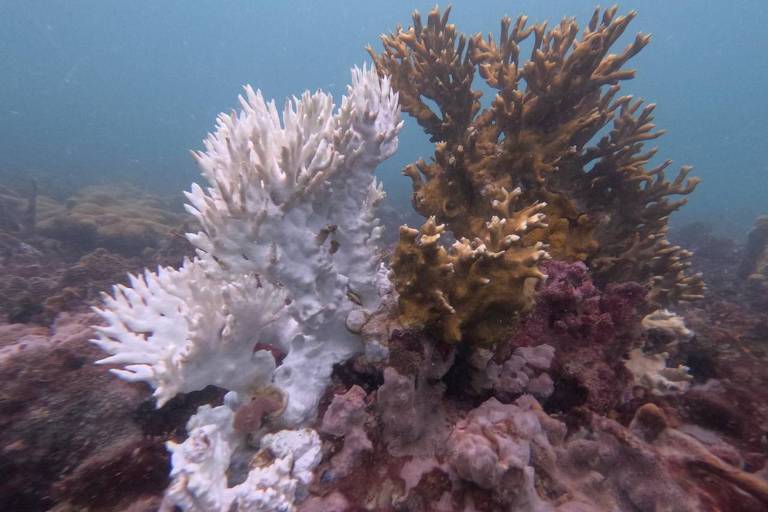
<point x="286" y="252"/>
<point x="281" y="471"/>
<point x="651" y="371"/>
<point x="668" y="323"/>
<point x="182" y="330"/>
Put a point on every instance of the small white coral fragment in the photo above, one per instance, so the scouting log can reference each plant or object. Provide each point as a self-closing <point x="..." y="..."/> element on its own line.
<point x="668" y="323"/>
<point x="201" y="463"/>
<point x="651" y="371"/>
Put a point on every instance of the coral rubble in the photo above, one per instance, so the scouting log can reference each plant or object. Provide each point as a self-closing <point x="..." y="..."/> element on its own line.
<point x="557" y="128"/>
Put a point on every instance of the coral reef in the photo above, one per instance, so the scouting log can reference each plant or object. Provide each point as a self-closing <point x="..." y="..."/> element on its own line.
<point x="70" y="433"/>
<point x="517" y="457"/>
<point x="37" y="290"/>
<point x="604" y="204"/>
<point x="120" y="219"/>
<point x="271" y="363"/>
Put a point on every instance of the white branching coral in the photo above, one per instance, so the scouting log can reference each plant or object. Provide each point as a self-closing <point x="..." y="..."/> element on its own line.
<point x="668" y="323"/>
<point x="286" y="262"/>
<point x="286" y="252"/>
<point x="182" y="330"/>
<point x="652" y="372"/>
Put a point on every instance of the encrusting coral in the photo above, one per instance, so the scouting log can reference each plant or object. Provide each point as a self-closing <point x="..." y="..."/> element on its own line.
<point x="556" y="129"/>
<point x="590" y="330"/>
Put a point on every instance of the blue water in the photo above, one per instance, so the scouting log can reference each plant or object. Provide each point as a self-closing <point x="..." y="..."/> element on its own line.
<point x="107" y="90"/>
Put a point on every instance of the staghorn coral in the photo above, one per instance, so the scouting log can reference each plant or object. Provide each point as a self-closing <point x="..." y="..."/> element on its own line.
<point x="545" y="131"/>
<point x="473" y="290"/>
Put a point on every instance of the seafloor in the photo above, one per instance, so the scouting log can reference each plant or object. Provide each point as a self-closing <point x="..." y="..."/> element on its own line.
<point x="74" y="437"/>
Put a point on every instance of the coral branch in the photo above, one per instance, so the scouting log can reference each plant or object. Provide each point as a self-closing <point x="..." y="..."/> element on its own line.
<point x="604" y="205"/>
<point x="475" y="288"/>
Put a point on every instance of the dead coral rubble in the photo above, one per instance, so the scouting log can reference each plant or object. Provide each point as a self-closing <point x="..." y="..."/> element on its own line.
<point x="604" y="204"/>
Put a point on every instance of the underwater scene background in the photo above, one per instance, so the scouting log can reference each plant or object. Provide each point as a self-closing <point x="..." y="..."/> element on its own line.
<point x="441" y="272"/>
<point x="96" y="91"/>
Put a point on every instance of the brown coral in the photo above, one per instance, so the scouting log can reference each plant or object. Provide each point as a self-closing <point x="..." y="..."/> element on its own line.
<point x="604" y="205"/>
<point x="120" y="219"/>
<point x="474" y="289"/>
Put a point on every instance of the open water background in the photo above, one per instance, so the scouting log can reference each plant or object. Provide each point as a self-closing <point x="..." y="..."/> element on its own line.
<point x="116" y="91"/>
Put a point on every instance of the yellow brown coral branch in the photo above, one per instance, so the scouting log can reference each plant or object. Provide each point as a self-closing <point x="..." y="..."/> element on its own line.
<point x="473" y="290"/>
<point x="543" y="133"/>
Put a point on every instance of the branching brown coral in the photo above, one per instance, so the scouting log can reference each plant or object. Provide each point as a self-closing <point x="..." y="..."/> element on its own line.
<point x="475" y="288"/>
<point x="605" y="205"/>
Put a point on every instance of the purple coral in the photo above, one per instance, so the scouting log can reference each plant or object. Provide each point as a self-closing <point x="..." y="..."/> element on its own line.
<point x="591" y="330"/>
<point x="495" y="445"/>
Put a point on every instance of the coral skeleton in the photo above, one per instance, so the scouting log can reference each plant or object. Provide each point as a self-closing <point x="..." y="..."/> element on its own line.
<point x="283" y="466"/>
<point x="288" y="242"/>
<point x="286" y="255"/>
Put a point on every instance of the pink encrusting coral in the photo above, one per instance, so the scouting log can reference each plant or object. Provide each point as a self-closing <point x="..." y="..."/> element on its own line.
<point x="590" y="330"/>
<point x="346" y="418"/>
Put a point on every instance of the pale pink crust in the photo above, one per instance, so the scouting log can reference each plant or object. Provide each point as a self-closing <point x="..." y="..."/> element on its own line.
<point x="346" y="417"/>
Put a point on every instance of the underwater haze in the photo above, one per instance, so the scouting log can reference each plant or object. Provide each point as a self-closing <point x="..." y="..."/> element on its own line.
<point x="560" y="306"/>
<point x="104" y="91"/>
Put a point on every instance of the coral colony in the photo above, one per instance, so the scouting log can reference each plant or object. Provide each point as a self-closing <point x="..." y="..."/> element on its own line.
<point x="497" y="371"/>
